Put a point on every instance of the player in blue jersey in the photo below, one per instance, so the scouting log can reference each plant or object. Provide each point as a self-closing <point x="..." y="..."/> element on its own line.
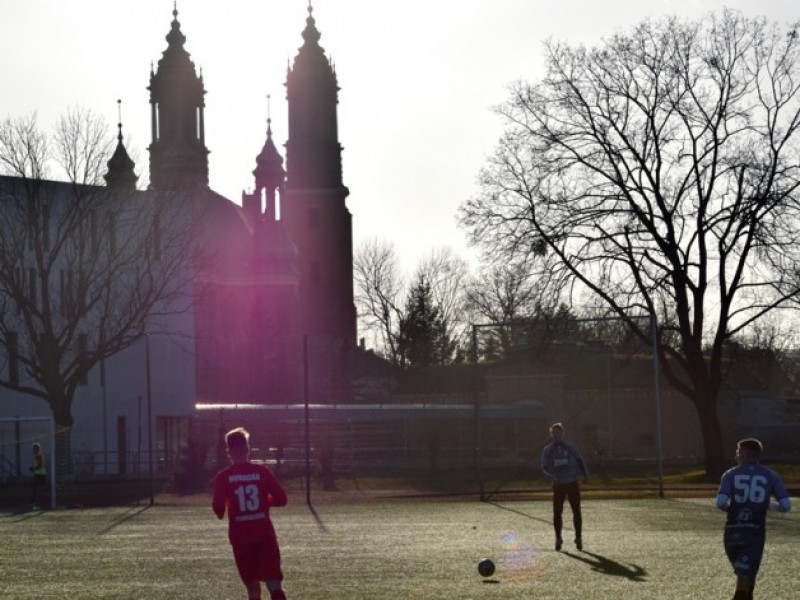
<point x="562" y="463"/>
<point x="744" y="493"/>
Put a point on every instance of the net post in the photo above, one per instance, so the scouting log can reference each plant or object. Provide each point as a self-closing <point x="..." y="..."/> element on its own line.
<point x="53" y="500"/>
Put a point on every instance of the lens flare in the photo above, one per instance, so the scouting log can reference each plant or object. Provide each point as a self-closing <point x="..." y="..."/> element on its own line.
<point x="519" y="558"/>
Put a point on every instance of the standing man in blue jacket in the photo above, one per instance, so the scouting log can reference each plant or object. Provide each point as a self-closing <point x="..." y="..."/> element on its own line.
<point x="562" y="463"/>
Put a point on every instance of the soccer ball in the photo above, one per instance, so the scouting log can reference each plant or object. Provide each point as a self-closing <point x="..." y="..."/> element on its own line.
<point x="486" y="567"/>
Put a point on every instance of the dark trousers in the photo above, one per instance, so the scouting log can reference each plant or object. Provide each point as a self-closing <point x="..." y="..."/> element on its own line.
<point x="39" y="481"/>
<point x="571" y="492"/>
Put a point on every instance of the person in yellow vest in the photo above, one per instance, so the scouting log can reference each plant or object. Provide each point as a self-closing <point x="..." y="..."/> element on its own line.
<point x="39" y="471"/>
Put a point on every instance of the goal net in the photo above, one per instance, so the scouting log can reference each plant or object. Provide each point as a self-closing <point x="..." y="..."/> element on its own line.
<point x="593" y="375"/>
<point x="17" y="438"/>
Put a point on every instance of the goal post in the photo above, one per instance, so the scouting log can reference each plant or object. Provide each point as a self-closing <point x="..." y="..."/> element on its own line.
<point x="18" y="433"/>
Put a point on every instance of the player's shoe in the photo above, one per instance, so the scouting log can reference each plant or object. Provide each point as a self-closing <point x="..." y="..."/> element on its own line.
<point x="579" y="543"/>
<point x="559" y="543"/>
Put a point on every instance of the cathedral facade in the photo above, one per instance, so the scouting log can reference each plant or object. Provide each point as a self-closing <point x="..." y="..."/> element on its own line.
<point x="277" y="299"/>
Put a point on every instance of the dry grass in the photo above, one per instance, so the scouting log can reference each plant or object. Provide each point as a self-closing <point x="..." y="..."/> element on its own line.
<point x="382" y="548"/>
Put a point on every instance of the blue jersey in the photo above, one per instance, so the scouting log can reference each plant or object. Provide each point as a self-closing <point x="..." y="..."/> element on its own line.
<point x="749" y="488"/>
<point x="562" y="462"/>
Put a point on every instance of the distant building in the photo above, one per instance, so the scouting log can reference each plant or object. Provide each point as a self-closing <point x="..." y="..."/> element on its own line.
<point x="274" y="291"/>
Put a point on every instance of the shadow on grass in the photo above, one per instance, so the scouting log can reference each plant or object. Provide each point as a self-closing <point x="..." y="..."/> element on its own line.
<point x="131" y="513"/>
<point x="22" y="514"/>
<point x="606" y="566"/>
<point x="317" y="518"/>
<point x="520" y="513"/>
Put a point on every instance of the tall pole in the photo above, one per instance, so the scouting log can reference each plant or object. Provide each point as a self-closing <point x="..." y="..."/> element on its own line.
<point x="477" y="407"/>
<point x="149" y="419"/>
<point x="52" y="463"/>
<point x="105" y="416"/>
<point x="307" y="418"/>
<point x="608" y="391"/>
<point x="657" y="394"/>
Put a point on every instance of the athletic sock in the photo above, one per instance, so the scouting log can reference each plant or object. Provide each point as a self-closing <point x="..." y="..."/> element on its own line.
<point x="277" y="595"/>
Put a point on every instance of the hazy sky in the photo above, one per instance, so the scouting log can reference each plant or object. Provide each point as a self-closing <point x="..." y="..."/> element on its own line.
<point x="419" y="80"/>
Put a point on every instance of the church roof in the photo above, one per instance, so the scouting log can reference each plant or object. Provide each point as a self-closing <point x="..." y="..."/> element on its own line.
<point x="120" y="174"/>
<point x="269" y="163"/>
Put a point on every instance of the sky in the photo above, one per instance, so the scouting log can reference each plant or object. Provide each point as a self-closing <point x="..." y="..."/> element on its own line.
<point x="420" y="81"/>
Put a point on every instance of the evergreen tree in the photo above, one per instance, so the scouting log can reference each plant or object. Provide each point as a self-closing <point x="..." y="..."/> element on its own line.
<point x="423" y="335"/>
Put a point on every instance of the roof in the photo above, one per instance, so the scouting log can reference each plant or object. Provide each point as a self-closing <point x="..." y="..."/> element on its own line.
<point x="382" y="412"/>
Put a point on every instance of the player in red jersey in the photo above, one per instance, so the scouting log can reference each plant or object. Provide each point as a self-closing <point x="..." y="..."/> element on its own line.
<point x="247" y="491"/>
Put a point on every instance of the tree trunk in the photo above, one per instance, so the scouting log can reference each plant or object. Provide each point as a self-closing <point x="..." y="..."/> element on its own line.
<point x="63" y="466"/>
<point x="62" y="416"/>
<point x="706" y="404"/>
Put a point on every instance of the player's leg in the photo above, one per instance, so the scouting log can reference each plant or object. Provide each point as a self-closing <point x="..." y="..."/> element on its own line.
<point x="247" y="564"/>
<point x="744" y="588"/>
<point x="574" y="497"/>
<point x="270" y="561"/>
<point x="750" y="555"/>
<point x="34" y="491"/>
<point x="253" y="589"/>
<point x="559" y="494"/>
<point x="745" y="555"/>
<point x="275" y="590"/>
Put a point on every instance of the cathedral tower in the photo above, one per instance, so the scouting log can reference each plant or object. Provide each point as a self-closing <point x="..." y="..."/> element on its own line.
<point x="315" y="214"/>
<point x="120" y="175"/>
<point x="275" y="359"/>
<point x="178" y="154"/>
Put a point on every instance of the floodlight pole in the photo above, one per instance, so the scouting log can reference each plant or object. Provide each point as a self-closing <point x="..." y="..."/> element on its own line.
<point x="306" y="415"/>
<point x="657" y="394"/>
<point x="149" y="418"/>
<point x="477" y="406"/>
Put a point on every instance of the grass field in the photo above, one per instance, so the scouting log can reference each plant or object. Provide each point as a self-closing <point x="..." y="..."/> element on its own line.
<point x="391" y="549"/>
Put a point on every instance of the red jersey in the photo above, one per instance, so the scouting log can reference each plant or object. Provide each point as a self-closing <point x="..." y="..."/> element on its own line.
<point x="247" y="490"/>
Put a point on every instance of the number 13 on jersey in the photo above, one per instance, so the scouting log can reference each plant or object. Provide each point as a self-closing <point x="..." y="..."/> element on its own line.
<point x="248" y="497"/>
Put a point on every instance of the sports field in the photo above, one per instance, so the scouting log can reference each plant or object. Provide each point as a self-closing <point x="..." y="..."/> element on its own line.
<point x="392" y="549"/>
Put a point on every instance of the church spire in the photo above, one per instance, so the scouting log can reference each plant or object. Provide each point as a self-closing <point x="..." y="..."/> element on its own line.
<point x="120" y="175"/>
<point x="178" y="154"/>
<point x="269" y="171"/>
<point x="313" y="153"/>
<point x="310" y="34"/>
<point x="269" y="177"/>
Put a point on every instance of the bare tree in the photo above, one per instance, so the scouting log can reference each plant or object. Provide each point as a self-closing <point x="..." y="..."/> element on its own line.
<point x="659" y="171"/>
<point x="503" y="294"/>
<point x="84" y="269"/>
<point x="379" y="293"/>
<point x="447" y="274"/>
<point x="382" y="293"/>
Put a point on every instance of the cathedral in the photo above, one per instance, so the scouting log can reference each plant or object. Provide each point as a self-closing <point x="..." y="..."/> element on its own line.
<point x="277" y="298"/>
<point x="270" y="317"/>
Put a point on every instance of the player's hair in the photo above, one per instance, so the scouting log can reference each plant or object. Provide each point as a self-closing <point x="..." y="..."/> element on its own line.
<point x="752" y="445"/>
<point x="237" y="439"/>
<point x="558" y="425"/>
<point x="37" y="446"/>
